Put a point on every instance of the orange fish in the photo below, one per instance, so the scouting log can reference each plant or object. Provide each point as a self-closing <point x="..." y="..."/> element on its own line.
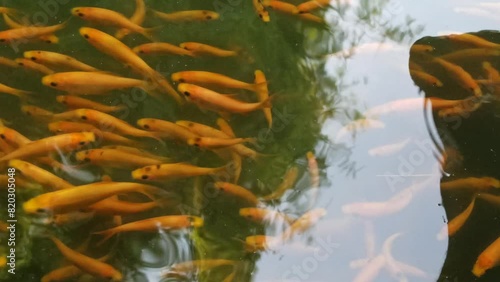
<point x="116" y="159"/>
<point x="161" y="48"/>
<point x="204" y="49"/>
<point x="15" y="92"/>
<point x="28" y="64"/>
<point x="188" y="16"/>
<point x="58" y="60"/>
<point x="154" y="224"/>
<point x="175" y="170"/>
<point x="166" y="129"/>
<point x="137" y="18"/>
<point x="64" y="142"/>
<point x="39" y="175"/>
<point x="74" y="102"/>
<point x="237" y="191"/>
<point x="23" y="34"/>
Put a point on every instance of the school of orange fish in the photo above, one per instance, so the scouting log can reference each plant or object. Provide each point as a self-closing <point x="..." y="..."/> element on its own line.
<point x="91" y="133"/>
<point x="429" y="68"/>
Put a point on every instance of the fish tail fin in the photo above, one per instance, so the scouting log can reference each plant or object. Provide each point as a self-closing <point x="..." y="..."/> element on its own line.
<point x="149" y="32"/>
<point x="25" y="96"/>
<point x="107" y="235"/>
<point x="251" y="140"/>
<point x="121" y="33"/>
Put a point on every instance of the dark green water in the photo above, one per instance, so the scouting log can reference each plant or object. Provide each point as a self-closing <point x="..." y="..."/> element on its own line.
<point x="324" y="77"/>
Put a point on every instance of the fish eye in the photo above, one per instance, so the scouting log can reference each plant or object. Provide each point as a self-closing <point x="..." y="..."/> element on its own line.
<point x="40" y="210"/>
<point x="48" y="41"/>
<point x="146" y="126"/>
<point x="33" y="58"/>
<point x="2" y="136"/>
<point x="209" y="17"/>
<point x="84" y="117"/>
<point x="187" y="93"/>
<point x="2" y="40"/>
<point x="81" y="15"/>
<point x="141" y="51"/>
<point x="181" y="80"/>
<point x="86" y="36"/>
<point x="38" y="52"/>
<point x="260" y="16"/>
<point x="86" y="160"/>
<point x="144" y="177"/>
<point x="53" y="84"/>
<point x="21" y="64"/>
<point x="82" y="143"/>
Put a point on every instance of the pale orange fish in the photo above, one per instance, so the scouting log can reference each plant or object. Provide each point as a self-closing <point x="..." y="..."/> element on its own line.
<point x="263" y="94"/>
<point x="303" y="223"/>
<point x="28" y="64"/>
<point x="213" y="100"/>
<point x="80" y="197"/>
<point x="106" y="122"/>
<point x="414" y="66"/>
<point x="108" y="137"/>
<point x="48" y="38"/>
<point x="137" y="18"/>
<point x="15" y="92"/>
<point x="13" y="137"/>
<point x="261" y="11"/>
<point x="38" y="113"/>
<point x="114" y="206"/>
<point x="8" y="62"/>
<point x="462" y="77"/>
<point x="457" y="222"/>
<point x="309" y="6"/>
<point x="260" y="215"/>
<point x="161" y="48"/>
<point x="288" y="182"/>
<point x="166" y="129"/>
<point x="91" y="83"/>
<point x="23" y="34"/>
<point x="109" y="18"/>
<point x="215" y="79"/>
<point x="204" y="49"/>
<point x="225" y="127"/>
<point x="471" y="39"/>
<point x="116" y="159"/>
<point x="237" y="191"/>
<point x="64" y="142"/>
<point x="88" y="264"/>
<point x="187" y="16"/>
<point x="258" y="243"/>
<point x="175" y="170"/>
<point x="121" y="52"/>
<point x="39" y="175"/>
<point x="205" y="130"/>
<point x="488" y="259"/>
<point x="168" y="222"/>
<point x="135" y="151"/>
<point x="57" y="60"/>
<point x="74" y="102"/>
<point x="21" y="182"/>
<point x="217" y="143"/>
<point x="421" y="48"/>
<point x="471" y="183"/>
<point x="495" y="200"/>
<point x="425" y="79"/>
<point x="313" y="169"/>
<point x="311" y="18"/>
<point x="280" y="6"/>
<point x="66" y="272"/>
<point x="471" y="55"/>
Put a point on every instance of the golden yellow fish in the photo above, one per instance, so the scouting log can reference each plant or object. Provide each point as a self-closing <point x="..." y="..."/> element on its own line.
<point x="160" y="48"/>
<point x="39" y="175"/>
<point x="488" y="259"/>
<point x="263" y="94"/>
<point x="188" y="16"/>
<point x="280" y="6"/>
<point x="175" y="170"/>
<point x="261" y="11"/>
<point x="23" y="34"/>
<point x="116" y="159"/>
<point x="237" y="191"/>
<point x="166" y="129"/>
<point x="154" y="224"/>
<point x="137" y="18"/>
<point x="215" y="79"/>
<point x="309" y="6"/>
<point x="74" y="102"/>
<point x="15" y="92"/>
<point x="57" y="60"/>
<point x="205" y="49"/>
<point x="217" y="143"/>
<point x="64" y="143"/>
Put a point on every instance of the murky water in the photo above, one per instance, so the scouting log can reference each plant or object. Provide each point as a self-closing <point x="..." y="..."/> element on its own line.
<point x="343" y="91"/>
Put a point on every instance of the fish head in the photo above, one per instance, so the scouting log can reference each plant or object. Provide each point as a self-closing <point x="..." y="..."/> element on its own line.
<point x="79" y="12"/>
<point x="247" y="213"/>
<point x="34" y="206"/>
<point x="18" y="165"/>
<point x="177" y="77"/>
<point x="145" y="123"/>
<point x="88" y="33"/>
<point x="194" y="141"/>
<point x="210" y="15"/>
<point x="142" y="173"/>
<point x="51" y="81"/>
<point x="32" y="55"/>
<point x="187" y="90"/>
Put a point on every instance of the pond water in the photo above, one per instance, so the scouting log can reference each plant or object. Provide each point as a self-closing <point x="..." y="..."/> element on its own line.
<point x="355" y="142"/>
